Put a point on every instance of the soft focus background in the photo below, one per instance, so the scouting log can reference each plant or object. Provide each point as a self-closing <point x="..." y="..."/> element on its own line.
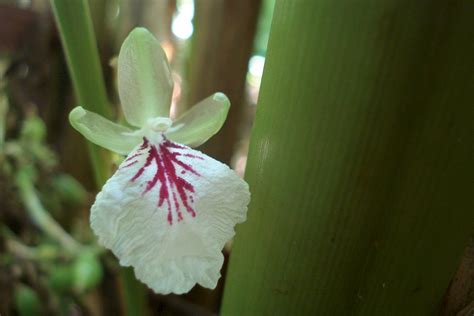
<point x="211" y="45"/>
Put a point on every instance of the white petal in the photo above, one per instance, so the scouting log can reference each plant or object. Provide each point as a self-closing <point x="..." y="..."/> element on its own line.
<point x="144" y="80"/>
<point x="171" y="230"/>
<point x="103" y="132"/>
<point x="201" y="122"/>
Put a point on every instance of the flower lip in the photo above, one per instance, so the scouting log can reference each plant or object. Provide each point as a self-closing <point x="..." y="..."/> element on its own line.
<point x="167" y="212"/>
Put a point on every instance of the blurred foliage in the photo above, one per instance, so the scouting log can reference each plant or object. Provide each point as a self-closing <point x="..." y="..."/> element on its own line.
<point x="27" y="301"/>
<point x="86" y="272"/>
<point x="44" y="267"/>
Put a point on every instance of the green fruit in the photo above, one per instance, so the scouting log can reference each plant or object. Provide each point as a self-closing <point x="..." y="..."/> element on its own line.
<point x="87" y="272"/>
<point x="27" y="301"/>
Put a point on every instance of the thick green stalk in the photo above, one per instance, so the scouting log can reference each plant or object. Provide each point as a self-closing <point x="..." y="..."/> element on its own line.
<point x="135" y="294"/>
<point x="77" y="35"/>
<point x="360" y="163"/>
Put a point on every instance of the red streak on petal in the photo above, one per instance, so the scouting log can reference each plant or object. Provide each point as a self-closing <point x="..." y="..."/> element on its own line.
<point x="193" y="156"/>
<point x="130" y="164"/>
<point x="174" y="145"/>
<point x="138" y="153"/>
<point x="133" y="156"/>
<point x="148" y="161"/>
<point x="176" y="205"/>
<point x="174" y="190"/>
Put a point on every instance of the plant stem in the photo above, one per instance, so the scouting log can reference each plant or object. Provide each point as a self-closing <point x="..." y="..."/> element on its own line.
<point x="134" y="293"/>
<point x="77" y="35"/>
<point x="21" y="250"/>
<point x="40" y="216"/>
<point x="3" y="117"/>
<point x="360" y="162"/>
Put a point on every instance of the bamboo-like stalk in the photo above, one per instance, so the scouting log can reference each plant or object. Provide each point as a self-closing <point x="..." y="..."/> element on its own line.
<point x="360" y="163"/>
<point x="77" y="35"/>
<point x="135" y="294"/>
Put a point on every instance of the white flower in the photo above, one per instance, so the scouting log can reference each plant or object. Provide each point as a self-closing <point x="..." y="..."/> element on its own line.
<point x="168" y="210"/>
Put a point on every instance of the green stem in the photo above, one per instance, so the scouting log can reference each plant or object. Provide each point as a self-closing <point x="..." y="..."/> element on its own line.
<point x="77" y="34"/>
<point x="134" y="293"/>
<point x="15" y="245"/>
<point x="40" y="216"/>
<point x="360" y="162"/>
<point x="19" y="249"/>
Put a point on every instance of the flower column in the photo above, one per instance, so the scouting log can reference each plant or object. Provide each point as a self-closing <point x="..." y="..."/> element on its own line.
<point x="359" y="162"/>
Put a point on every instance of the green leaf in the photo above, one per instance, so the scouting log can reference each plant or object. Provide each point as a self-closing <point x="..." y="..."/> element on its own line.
<point x="144" y="78"/>
<point x="201" y="122"/>
<point x="103" y="132"/>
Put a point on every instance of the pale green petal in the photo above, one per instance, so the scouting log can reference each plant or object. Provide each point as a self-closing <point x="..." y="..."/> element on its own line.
<point x="103" y="132"/>
<point x="144" y="79"/>
<point x="201" y="122"/>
